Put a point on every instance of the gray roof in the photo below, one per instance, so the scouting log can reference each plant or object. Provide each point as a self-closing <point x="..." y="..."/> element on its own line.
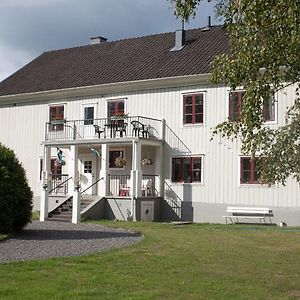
<point x="126" y="60"/>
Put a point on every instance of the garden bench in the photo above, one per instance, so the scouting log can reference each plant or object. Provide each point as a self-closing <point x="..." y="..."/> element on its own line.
<point x="248" y="213"/>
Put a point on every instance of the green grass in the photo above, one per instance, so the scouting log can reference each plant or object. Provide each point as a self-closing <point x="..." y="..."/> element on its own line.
<point x="172" y="262"/>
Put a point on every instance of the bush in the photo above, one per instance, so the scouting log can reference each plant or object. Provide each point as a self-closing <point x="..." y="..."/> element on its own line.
<point x="15" y="194"/>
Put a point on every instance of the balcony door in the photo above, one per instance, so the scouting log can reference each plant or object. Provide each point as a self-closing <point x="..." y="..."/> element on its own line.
<point x="88" y="174"/>
<point x="89" y="116"/>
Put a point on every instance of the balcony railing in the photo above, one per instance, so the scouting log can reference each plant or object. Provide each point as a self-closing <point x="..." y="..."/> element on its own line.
<point x="105" y="128"/>
<point x="120" y="185"/>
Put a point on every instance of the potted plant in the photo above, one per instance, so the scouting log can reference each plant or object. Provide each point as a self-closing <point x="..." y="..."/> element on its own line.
<point x="147" y="161"/>
<point x="120" y="162"/>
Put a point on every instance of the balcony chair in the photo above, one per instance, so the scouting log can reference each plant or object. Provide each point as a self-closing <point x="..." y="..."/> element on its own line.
<point x="99" y="130"/>
<point x="139" y="128"/>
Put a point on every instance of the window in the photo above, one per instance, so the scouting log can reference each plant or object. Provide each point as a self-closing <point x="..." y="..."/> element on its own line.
<point x="88" y="166"/>
<point x="113" y="155"/>
<point x="235" y="105"/>
<point x="269" y="110"/>
<point x="89" y="115"/>
<point x="250" y="173"/>
<point x="56" y="169"/>
<point x="193" y="109"/>
<point x="115" y="108"/>
<point x="56" y="113"/>
<point x="236" y="102"/>
<point x="186" y="169"/>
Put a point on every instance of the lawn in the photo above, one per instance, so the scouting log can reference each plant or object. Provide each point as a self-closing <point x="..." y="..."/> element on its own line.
<point x="172" y="262"/>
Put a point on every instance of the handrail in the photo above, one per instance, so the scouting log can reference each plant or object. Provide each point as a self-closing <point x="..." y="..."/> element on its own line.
<point x="60" y="185"/>
<point x="92" y="185"/>
<point x="65" y="121"/>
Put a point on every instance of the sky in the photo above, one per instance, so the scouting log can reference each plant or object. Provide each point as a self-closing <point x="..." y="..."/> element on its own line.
<point x="30" y="27"/>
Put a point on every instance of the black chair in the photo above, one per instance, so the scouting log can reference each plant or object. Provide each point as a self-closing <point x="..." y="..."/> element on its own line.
<point x="139" y="128"/>
<point x="99" y="130"/>
<point x="121" y="126"/>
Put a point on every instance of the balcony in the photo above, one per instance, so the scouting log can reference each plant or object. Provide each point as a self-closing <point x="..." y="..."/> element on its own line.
<point x="104" y="128"/>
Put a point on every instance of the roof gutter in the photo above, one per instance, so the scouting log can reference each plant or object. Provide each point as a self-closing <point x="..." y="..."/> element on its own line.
<point x="119" y="87"/>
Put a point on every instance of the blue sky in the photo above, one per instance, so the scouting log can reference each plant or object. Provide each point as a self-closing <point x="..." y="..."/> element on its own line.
<point x="30" y="27"/>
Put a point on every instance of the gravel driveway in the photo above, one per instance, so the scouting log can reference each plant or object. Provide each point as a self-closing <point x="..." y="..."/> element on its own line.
<point x="56" y="239"/>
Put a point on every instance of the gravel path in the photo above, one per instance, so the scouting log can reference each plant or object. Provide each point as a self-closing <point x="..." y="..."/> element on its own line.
<point x="56" y="239"/>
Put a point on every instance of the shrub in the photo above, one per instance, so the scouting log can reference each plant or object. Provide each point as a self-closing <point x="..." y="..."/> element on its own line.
<point x="15" y="193"/>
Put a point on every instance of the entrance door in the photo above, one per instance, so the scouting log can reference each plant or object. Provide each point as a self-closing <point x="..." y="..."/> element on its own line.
<point x="88" y="174"/>
<point x="147" y="211"/>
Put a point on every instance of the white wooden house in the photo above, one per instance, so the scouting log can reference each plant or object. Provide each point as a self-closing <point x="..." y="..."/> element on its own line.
<point x="124" y="128"/>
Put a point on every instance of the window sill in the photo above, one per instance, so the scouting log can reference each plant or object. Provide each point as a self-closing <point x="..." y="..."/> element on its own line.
<point x="187" y="183"/>
<point x="193" y="125"/>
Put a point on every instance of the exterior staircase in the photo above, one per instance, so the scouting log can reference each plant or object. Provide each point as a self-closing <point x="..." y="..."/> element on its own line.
<point x="63" y="213"/>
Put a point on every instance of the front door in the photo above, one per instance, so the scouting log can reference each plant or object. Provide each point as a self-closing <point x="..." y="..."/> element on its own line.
<point x="88" y="174"/>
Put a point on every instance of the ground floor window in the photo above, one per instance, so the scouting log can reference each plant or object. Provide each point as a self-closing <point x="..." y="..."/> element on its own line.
<point x="250" y="173"/>
<point x="56" y="169"/>
<point x="116" y="159"/>
<point x="186" y="169"/>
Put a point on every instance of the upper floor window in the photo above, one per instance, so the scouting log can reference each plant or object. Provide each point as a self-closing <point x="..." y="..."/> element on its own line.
<point x="186" y="169"/>
<point x="56" y="114"/>
<point x="235" y="105"/>
<point x="193" y="109"/>
<point x="115" y="108"/>
<point x="269" y="110"/>
<point x="250" y="172"/>
<point x="89" y="112"/>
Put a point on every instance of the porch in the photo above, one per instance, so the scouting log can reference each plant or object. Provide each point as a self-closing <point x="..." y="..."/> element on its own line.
<point x="125" y="166"/>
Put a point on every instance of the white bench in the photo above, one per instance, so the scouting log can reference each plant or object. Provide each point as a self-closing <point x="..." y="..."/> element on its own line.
<point x="248" y="213"/>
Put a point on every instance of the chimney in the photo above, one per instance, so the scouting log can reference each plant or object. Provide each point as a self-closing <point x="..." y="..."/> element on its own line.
<point x="179" y="40"/>
<point x="208" y="24"/>
<point x="98" y="40"/>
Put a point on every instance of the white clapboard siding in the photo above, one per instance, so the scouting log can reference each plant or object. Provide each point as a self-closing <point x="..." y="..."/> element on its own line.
<point x="22" y="129"/>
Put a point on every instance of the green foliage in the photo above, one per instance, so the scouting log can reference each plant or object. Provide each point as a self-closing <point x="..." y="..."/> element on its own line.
<point x="15" y="194"/>
<point x="264" y="59"/>
<point x="185" y="9"/>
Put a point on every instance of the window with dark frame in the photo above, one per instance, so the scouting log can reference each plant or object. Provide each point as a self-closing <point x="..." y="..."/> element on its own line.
<point x="89" y="115"/>
<point x="193" y="109"/>
<point x="269" y="110"/>
<point x="235" y="105"/>
<point x="56" y="114"/>
<point x="186" y="169"/>
<point x="113" y="155"/>
<point x="55" y="168"/>
<point x="115" y="108"/>
<point x="250" y="173"/>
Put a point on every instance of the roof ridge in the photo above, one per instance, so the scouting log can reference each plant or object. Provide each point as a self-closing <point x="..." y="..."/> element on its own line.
<point x="127" y="39"/>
